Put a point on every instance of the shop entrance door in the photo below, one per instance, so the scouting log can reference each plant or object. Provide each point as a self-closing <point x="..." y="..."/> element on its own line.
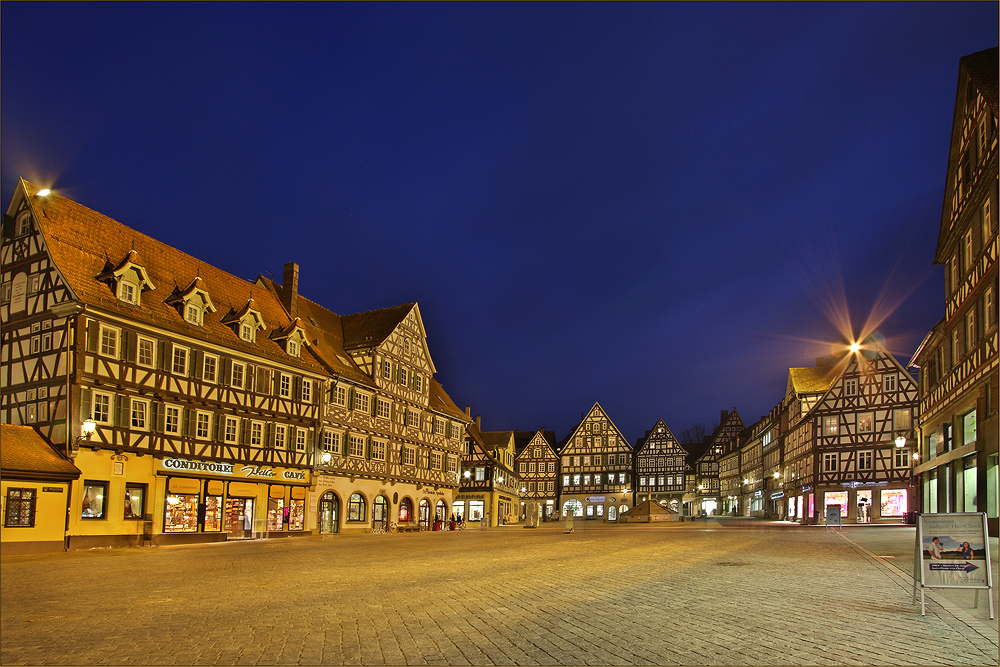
<point x="425" y="514"/>
<point x="329" y="513"/>
<point x="239" y="518"/>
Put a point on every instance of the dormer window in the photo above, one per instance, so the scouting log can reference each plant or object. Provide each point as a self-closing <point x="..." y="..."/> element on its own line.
<point x="292" y="338"/>
<point x="129" y="279"/>
<point x="246" y="322"/>
<point x="193" y="302"/>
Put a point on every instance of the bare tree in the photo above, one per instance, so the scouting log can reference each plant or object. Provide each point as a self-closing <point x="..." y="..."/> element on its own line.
<point x="694" y="434"/>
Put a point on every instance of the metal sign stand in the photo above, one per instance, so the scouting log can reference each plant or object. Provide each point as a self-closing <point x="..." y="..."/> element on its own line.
<point x="968" y="530"/>
<point x="833" y="518"/>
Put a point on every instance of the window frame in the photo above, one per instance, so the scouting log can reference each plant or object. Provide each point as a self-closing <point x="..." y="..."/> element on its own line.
<point x="203" y="425"/>
<point x="95" y="483"/>
<point x="866" y="457"/>
<point x="108" y="346"/>
<point x="19" y="516"/>
<point x="242" y="367"/>
<point x="180" y="352"/>
<point x="235" y="423"/>
<point x="210" y="360"/>
<point x="178" y="414"/>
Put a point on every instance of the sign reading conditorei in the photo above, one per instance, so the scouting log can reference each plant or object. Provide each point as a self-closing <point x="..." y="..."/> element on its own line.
<point x="229" y="469"/>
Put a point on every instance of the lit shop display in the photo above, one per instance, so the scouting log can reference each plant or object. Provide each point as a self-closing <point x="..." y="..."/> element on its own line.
<point x="893" y="502"/>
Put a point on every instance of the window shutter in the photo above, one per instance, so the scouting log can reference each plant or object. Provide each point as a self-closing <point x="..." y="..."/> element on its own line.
<point x="93" y="335"/>
<point x="220" y="427"/>
<point x="269" y="435"/>
<point x="130" y="344"/>
<point x="297" y="388"/>
<point x="227" y="371"/>
<point x="290" y="444"/>
<point x="189" y="422"/>
<point x="275" y="383"/>
<point x="374" y="405"/>
<point x="197" y="362"/>
<point x="350" y="398"/>
<point x="263" y="380"/>
<point x="244" y="431"/>
<point x="85" y="404"/>
<point x="166" y="355"/>
<point x="122" y="406"/>
<point x="156" y="417"/>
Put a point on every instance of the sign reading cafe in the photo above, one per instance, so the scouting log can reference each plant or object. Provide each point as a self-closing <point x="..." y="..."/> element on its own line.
<point x="227" y="469"/>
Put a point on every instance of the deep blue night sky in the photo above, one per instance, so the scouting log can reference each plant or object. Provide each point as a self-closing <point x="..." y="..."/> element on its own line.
<point x="648" y="205"/>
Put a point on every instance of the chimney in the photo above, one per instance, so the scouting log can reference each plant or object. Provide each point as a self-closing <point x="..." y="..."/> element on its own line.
<point x="479" y="422"/>
<point x="290" y="289"/>
<point x="722" y="420"/>
<point x="468" y="411"/>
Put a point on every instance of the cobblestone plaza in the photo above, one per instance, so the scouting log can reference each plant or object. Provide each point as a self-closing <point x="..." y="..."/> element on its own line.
<point x="715" y="592"/>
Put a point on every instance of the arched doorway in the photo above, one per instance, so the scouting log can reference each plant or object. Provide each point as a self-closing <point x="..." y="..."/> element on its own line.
<point x="356" y="508"/>
<point x="441" y="511"/>
<point x="425" y="514"/>
<point x="612" y="513"/>
<point x="405" y="510"/>
<point x="574" y="507"/>
<point x="380" y="513"/>
<point x="329" y="513"/>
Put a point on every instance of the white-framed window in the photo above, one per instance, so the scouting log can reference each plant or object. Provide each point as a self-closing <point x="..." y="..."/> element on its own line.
<point x="300" y="439"/>
<point x="866" y="422"/>
<point x="970" y="329"/>
<point x="456" y="431"/>
<point x="386" y="369"/>
<point x="146" y="352"/>
<point x="109" y="341"/>
<point x="565" y="480"/>
<point x="357" y="446"/>
<point x="378" y="450"/>
<point x="551" y="486"/>
<point x="280" y="431"/>
<point x="193" y="314"/>
<point x="410" y="458"/>
<point x="850" y="387"/>
<point x="331" y="441"/>
<point x="384" y="408"/>
<point x="23" y="224"/>
<point x="642" y="482"/>
<point x="210" y="368"/>
<point x="284" y="385"/>
<point x="413" y="418"/>
<point x="435" y="461"/>
<point x="179" y="365"/>
<point x="552" y="466"/>
<point x="247" y="332"/>
<point x="576" y="479"/>
<point x="418" y="383"/>
<point x="307" y="390"/>
<point x="128" y="292"/>
<point x="831" y="425"/>
<point x="967" y="251"/>
<point x="403" y="375"/>
<point x="232" y="431"/>
<point x="902" y="419"/>
<point x="901" y="458"/>
<point x="989" y="307"/>
<point x="139" y="414"/>
<point x="866" y="459"/>
<point x="621" y="478"/>
<point x="439" y="426"/>
<point x="101" y="408"/>
<point x="969" y="427"/>
<point x="33" y="281"/>
<point x="830" y="462"/>
<point x="256" y="438"/>
<point x="237" y="376"/>
<point x="203" y="425"/>
<point x="340" y="395"/>
<point x="293" y="348"/>
<point x="36" y="344"/>
<point x="889" y="383"/>
<point x="362" y="402"/>
<point x="171" y="420"/>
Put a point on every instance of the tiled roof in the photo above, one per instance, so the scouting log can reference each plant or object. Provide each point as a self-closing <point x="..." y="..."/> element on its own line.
<point x="523" y="438"/>
<point x="811" y="380"/>
<point x="440" y="400"/>
<point x="983" y="70"/>
<point x="494" y="439"/>
<point x="84" y="244"/>
<point x="26" y="454"/>
<point x="374" y="326"/>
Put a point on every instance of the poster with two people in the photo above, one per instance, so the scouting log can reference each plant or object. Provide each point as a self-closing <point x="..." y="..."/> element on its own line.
<point x="953" y="550"/>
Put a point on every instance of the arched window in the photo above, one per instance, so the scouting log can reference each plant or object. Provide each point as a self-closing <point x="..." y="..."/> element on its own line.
<point x="356" y="508"/>
<point x="425" y="513"/>
<point x="380" y="512"/>
<point x="329" y="513"/>
<point x="573" y="506"/>
<point x="405" y="510"/>
<point x="441" y="511"/>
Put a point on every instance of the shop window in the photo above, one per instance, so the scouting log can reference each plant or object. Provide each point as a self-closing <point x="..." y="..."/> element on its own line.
<point x="275" y="513"/>
<point x="476" y="510"/>
<point x="94" y="497"/>
<point x="297" y="514"/>
<point x="135" y="501"/>
<point x="20" y="508"/>
<point x="380" y="511"/>
<point x="893" y="502"/>
<point x="590" y="511"/>
<point x="213" y="512"/>
<point x="356" y="508"/>
<point x="180" y="515"/>
<point x="406" y="510"/>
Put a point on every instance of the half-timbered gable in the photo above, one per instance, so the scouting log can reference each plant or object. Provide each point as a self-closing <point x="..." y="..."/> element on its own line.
<point x="660" y="467"/>
<point x="959" y="359"/>
<point x="596" y="464"/>
<point x="490" y="484"/>
<point x="706" y="466"/>
<point x="538" y="468"/>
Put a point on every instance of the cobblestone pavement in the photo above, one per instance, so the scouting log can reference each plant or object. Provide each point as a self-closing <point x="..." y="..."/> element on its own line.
<point x="703" y="593"/>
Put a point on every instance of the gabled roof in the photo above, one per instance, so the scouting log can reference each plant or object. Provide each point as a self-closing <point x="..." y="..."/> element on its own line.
<point x="85" y="244"/>
<point x="523" y="438"/>
<point x="812" y="380"/>
<point x="371" y="328"/>
<point x="641" y="444"/>
<point x="25" y="454"/>
<point x="979" y="70"/>
<point x="440" y="400"/>
<point x="494" y="439"/>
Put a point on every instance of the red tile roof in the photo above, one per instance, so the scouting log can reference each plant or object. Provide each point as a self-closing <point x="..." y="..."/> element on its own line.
<point x="25" y="454"/>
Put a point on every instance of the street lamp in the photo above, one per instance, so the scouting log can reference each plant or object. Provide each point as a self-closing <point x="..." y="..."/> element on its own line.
<point x="86" y="430"/>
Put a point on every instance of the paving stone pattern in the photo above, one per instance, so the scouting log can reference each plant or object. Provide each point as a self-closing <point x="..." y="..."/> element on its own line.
<point x="702" y="593"/>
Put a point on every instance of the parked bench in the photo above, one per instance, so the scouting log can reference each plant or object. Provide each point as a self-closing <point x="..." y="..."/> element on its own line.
<point x="408" y="527"/>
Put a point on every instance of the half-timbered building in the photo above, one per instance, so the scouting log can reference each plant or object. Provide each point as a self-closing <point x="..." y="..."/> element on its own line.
<point x="705" y="463"/>
<point x="489" y="484"/>
<point x="842" y="444"/>
<point x="660" y="468"/>
<point x="596" y="469"/>
<point x="960" y="358"/>
<point x="207" y="394"/>
<point x="538" y="468"/>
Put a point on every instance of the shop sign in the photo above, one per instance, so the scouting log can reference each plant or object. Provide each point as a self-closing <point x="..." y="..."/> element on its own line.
<point x="52" y="489"/>
<point x="229" y="469"/>
<point x="856" y="484"/>
<point x="471" y="496"/>
<point x="595" y="499"/>
<point x="758" y="493"/>
<point x="952" y="551"/>
<point x="777" y="494"/>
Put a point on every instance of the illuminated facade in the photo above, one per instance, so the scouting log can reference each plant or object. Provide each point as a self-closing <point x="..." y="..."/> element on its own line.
<point x="538" y="468"/>
<point x="959" y="360"/>
<point x="661" y="468"/>
<point x="595" y="479"/>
